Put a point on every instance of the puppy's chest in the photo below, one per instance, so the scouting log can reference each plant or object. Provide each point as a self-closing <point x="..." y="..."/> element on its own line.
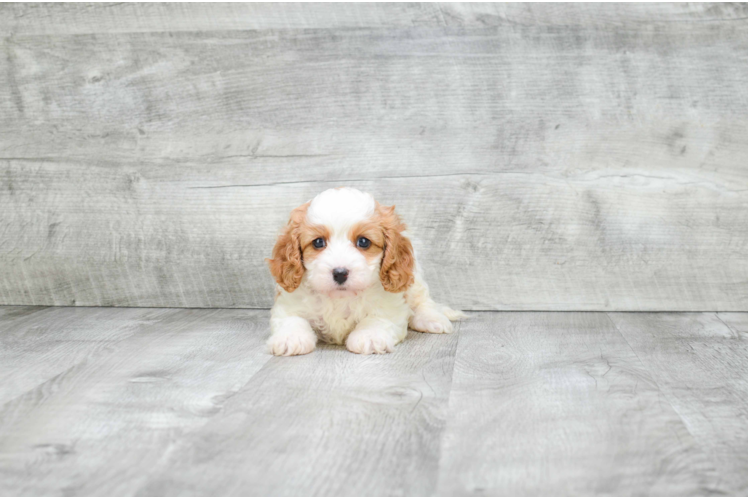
<point x="334" y="321"/>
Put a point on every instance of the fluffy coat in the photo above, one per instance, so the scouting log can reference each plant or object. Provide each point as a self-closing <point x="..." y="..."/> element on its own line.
<point x="347" y="274"/>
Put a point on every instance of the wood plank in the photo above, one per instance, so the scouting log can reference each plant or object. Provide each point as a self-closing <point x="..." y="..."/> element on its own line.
<point x="101" y="426"/>
<point x="12" y="314"/>
<point x="486" y="242"/>
<point x="82" y="18"/>
<point x="328" y="423"/>
<point x="600" y="168"/>
<point x="700" y="362"/>
<point x="44" y="344"/>
<point x="452" y="99"/>
<point x="558" y="404"/>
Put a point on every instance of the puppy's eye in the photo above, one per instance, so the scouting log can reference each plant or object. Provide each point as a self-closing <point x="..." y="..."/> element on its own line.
<point x="319" y="243"/>
<point x="363" y="242"/>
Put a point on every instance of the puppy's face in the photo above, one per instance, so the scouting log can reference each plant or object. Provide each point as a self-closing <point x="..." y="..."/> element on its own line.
<point x="341" y="243"/>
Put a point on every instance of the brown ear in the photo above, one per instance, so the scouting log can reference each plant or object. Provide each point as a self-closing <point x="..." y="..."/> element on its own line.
<point x="396" y="271"/>
<point x="286" y="265"/>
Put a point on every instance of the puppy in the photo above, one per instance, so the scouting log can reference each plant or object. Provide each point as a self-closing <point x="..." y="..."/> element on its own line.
<point x="347" y="273"/>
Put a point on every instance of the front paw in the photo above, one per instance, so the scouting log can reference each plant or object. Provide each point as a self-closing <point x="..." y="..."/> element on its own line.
<point x="429" y="320"/>
<point x="292" y="342"/>
<point x="370" y="341"/>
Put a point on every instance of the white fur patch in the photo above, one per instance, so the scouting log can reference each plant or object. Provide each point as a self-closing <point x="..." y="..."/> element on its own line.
<point x="341" y="208"/>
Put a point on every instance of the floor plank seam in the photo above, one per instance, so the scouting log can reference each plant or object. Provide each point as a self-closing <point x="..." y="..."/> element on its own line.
<point x="716" y="315"/>
<point x="4" y="406"/>
<point x="713" y="489"/>
<point x="448" y="411"/>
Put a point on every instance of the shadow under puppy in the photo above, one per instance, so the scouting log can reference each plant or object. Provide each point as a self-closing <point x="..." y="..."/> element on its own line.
<point x="347" y="273"/>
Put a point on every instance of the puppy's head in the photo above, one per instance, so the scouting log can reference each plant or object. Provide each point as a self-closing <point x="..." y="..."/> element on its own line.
<point x="341" y="243"/>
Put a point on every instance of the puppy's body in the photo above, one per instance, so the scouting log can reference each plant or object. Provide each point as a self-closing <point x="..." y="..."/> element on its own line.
<point x="347" y="273"/>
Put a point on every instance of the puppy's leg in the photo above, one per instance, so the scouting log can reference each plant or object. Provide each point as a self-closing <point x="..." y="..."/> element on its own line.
<point x="429" y="316"/>
<point x="376" y="335"/>
<point x="291" y="335"/>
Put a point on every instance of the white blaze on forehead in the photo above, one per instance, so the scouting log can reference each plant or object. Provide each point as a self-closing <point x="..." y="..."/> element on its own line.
<point x="339" y="209"/>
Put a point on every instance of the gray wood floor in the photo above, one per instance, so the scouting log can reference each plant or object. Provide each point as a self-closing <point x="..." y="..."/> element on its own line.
<point x="117" y="401"/>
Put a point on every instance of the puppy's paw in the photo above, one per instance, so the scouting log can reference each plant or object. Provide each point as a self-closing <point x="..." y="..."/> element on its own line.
<point x="292" y="342"/>
<point x="370" y="341"/>
<point x="453" y="314"/>
<point x="429" y="320"/>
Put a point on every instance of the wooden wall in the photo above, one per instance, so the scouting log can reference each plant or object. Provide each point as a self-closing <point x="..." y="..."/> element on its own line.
<point x="559" y="157"/>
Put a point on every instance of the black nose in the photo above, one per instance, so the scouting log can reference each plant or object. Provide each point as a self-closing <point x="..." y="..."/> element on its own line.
<point x="340" y="274"/>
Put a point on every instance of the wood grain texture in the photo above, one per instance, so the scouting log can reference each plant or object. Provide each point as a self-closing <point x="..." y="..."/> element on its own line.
<point x="573" y="157"/>
<point x="699" y="362"/>
<point x="86" y="18"/>
<point x="123" y="388"/>
<point x="187" y="402"/>
<point x="328" y="423"/>
<point x="9" y="315"/>
<point x="40" y="346"/>
<point x="147" y="414"/>
<point x="559" y="404"/>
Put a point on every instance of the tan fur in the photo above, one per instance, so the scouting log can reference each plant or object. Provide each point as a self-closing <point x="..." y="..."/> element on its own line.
<point x="396" y="272"/>
<point x="372" y="230"/>
<point x="287" y="266"/>
<point x="307" y="234"/>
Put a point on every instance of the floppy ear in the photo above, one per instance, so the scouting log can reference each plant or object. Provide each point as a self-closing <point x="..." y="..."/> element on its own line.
<point x="396" y="272"/>
<point x="286" y="265"/>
